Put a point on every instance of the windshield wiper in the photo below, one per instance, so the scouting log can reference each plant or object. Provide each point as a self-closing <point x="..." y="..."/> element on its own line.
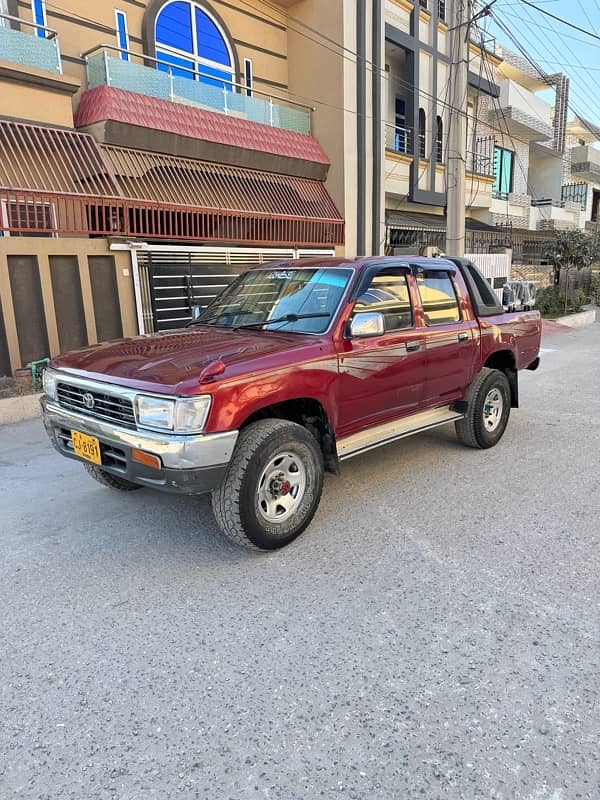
<point x="286" y="318"/>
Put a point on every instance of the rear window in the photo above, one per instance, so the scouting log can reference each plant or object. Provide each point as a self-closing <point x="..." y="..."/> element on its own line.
<point x="438" y="298"/>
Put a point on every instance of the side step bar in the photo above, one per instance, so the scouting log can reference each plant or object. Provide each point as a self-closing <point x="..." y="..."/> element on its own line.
<point x="369" y="439"/>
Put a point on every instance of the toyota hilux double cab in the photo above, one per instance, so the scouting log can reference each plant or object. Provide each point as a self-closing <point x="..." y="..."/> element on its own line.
<point x="293" y="369"/>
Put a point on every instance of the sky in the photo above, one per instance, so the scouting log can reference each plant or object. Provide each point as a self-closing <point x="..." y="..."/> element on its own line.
<point x="557" y="48"/>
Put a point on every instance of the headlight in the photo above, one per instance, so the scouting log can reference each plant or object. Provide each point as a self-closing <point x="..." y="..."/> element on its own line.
<point x="49" y="384"/>
<point x="191" y="414"/>
<point x="155" y="412"/>
<point x="184" y="415"/>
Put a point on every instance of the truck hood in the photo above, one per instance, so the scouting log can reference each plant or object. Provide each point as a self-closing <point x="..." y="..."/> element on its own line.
<point x="172" y="362"/>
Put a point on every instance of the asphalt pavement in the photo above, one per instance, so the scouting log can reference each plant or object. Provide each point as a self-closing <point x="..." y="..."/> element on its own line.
<point x="435" y="633"/>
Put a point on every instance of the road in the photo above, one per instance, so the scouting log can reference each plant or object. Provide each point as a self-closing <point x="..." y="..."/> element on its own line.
<point x="435" y="634"/>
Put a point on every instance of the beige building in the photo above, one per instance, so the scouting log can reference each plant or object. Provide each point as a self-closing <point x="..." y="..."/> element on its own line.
<point x="148" y="152"/>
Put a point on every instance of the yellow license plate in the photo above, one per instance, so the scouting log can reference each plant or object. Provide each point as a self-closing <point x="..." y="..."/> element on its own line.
<point x="87" y="447"/>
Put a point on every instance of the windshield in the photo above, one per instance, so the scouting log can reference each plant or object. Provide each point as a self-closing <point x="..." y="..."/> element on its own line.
<point x="311" y="295"/>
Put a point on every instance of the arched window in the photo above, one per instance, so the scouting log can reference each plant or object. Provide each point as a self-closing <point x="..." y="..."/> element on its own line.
<point x="192" y="44"/>
<point x="439" y="141"/>
<point x="422" y="134"/>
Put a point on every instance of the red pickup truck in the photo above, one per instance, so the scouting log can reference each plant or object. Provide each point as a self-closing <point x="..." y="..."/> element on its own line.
<point x="294" y="368"/>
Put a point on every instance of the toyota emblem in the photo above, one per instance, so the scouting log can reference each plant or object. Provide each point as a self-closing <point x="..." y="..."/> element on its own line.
<point x="88" y="400"/>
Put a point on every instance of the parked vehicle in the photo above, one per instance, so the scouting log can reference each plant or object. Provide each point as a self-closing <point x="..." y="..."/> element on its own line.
<point x="293" y="369"/>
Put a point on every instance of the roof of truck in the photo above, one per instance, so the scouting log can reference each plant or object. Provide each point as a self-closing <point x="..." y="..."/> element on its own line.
<point x="358" y="263"/>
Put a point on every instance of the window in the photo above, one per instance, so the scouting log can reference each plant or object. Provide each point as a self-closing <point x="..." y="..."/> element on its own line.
<point x="439" y="141"/>
<point x="422" y="134"/>
<point x="503" y="172"/>
<point x="423" y="4"/>
<point x="122" y="33"/>
<point x="248" y="76"/>
<point x="438" y="298"/>
<point x="39" y="16"/>
<point x="442" y="10"/>
<point x="388" y="293"/>
<point x="400" y="132"/>
<point x="262" y="295"/>
<point x="193" y="45"/>
<point x="4" y="10"/>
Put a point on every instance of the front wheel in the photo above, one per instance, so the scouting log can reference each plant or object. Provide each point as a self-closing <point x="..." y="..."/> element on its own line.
<point x="488" y="410"/>
<point x="272" y="487"/>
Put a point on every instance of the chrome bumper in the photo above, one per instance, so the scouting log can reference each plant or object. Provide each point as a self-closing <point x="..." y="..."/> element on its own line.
<point x="190" y="464"/>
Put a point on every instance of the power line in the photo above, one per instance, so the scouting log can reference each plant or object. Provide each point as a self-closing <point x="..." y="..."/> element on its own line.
<point x="560" y="19"/>
<point x="543" y="76"/>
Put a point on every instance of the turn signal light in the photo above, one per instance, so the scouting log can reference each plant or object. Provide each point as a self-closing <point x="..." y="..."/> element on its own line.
<point x="147" y="459"/>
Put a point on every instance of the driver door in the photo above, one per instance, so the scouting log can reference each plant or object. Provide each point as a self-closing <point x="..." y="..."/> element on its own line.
<point x="382" y="376"/>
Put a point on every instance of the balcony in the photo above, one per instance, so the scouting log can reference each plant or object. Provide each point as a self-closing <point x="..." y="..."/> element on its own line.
<point x="480" y="160"/>
<point x="585" y="162"/>
<point x="37" y="49"/>
<point x="398" y="140"/>
<point x="106" y="67"/>
<point x="525" y="114"/>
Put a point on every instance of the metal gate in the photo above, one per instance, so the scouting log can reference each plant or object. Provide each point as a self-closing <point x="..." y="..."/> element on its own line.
<point x="169" y="280"/>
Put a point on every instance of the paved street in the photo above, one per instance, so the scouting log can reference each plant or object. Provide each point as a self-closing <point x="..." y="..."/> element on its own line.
<point x="435" y="634"/>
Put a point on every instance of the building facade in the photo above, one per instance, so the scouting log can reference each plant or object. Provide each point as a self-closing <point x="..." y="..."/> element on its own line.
<point x="149" y="151"/>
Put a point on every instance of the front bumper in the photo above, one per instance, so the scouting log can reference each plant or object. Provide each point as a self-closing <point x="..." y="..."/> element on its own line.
<point x="190" y="464"/>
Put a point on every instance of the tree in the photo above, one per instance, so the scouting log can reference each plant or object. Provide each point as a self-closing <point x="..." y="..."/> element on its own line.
<point x="573" y="250"/>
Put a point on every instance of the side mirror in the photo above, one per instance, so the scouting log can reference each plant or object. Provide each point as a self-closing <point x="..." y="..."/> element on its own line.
<point x="196" y="313"/>
<point x="365" y="324"/>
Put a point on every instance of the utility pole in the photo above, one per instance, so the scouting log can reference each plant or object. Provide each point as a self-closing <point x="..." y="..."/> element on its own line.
<point x="457" y="138"/>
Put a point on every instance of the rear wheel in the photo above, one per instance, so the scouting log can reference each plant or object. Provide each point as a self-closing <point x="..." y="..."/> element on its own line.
<point x="272" y="487"/>
<point x="488" y="411"/>
<point x="110" y="480"/>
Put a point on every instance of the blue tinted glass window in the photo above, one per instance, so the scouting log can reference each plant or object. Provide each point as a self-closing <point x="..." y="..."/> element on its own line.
<point x="214" y="77"/>
<point x="122" y="37"/>
<point x="173" y="62"/>
<point x="39" y="17"/>
<point x="174" y="26"/>
<point x="211" y="44"/>
<point x="183" y="29"/>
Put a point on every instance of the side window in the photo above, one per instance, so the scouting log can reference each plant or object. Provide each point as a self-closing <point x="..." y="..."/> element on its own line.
<point x="388" y="293"/>
<point x="438" y="297"/>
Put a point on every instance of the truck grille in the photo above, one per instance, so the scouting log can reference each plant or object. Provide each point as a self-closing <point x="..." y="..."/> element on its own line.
<point x="105" y="406"/>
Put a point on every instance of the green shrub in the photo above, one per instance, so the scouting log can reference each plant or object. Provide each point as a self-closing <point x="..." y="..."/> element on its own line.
<point x="596" y="289"/>
<point x="549" y="302"/>
<point x="578" y="299"/>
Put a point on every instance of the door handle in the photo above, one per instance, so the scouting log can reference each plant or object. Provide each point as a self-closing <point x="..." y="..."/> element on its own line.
<point x="463" y="337"/>
<point x="412" y="347"/>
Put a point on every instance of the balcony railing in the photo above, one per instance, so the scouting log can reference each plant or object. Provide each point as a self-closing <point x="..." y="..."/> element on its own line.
<point x="398" y="139"/>
<point x="480" y="160"/>
<point x="194" y="88"/>
<point x="38" y="49"/>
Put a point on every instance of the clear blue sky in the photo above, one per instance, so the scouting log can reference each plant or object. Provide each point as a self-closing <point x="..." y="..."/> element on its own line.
<point x="557" y="48"/>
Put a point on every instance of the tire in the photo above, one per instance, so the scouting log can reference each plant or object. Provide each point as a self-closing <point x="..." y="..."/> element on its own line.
<point x="489" y="402"/>
<point x="272" y="487"/>
<point x="110" y="480"/>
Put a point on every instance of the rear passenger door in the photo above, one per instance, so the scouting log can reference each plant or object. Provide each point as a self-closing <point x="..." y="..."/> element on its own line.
<point x="451" y="338"/>
<point x="381" y="377"/>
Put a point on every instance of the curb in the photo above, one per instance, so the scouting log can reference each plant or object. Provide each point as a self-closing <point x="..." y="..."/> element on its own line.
<point x="581" y="320"/>
<point x="18" y="409"/>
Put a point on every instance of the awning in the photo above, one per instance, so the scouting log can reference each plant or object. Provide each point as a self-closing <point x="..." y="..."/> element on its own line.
<point x="106" y="190"/>
<point x="407" y="220"/>
<point x="143" y="175"/>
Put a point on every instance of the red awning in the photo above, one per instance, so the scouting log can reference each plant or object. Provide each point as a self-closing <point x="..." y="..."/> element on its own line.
<point x="106" y="190"/>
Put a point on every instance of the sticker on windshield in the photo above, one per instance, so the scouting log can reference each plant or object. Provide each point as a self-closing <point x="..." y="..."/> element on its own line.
<point x="281" y="275"/>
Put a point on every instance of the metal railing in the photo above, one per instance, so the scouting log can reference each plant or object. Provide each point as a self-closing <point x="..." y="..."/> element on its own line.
<point x="399" y="139"/>
<point x="27" y="49"/>
<point x="202" y="90"/>
<point x="29" y="213"/>
<point x="480" y="160"/>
